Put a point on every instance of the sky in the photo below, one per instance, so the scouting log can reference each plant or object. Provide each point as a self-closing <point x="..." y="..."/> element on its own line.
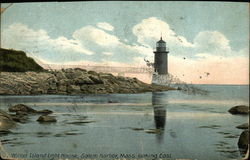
<point x="203" y="37"/>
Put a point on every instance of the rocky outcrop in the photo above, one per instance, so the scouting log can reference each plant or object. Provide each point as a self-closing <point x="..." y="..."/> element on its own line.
<point x="243" y="126"/>
<point x="42" y="119"/>
<point x="244" y="140"/>
<point x="70" y="81"/>
<point x="6" y="122"/>
<point x="242" y="109"/>
<point x="21" y="118"/>
<point x="22" y="110"/>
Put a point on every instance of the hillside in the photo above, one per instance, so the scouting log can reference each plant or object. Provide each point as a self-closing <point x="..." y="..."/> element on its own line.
<point x="17" y="61"/>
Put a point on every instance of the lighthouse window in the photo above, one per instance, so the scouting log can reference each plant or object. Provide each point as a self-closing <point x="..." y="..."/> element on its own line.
<point x="160" y="45"/>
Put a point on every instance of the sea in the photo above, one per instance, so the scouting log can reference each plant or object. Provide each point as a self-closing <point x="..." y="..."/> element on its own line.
<point x="166" y="125"/>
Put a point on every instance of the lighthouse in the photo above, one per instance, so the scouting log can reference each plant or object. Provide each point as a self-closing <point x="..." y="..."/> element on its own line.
<point x="160" y="63"/>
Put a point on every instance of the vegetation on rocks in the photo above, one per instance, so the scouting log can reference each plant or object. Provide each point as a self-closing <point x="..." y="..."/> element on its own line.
<point x="17" y="61"/>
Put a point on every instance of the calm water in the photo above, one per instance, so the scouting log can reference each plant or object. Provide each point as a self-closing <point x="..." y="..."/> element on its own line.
<point x="171" y="124"/>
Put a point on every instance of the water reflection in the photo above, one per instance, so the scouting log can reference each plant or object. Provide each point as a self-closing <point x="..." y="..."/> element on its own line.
<point x="159" y="104"/>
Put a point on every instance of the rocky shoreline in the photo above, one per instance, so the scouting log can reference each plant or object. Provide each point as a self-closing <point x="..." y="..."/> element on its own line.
<point x="71" y="82"/>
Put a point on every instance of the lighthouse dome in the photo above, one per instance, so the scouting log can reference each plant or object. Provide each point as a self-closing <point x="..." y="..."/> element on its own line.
<point x="161" y="41"/>
<point x="161" y="45"/>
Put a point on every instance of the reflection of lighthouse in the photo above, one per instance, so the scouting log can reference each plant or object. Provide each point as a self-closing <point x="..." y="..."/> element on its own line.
<point x="160" y="63"/>
<point x="159" y="113"/>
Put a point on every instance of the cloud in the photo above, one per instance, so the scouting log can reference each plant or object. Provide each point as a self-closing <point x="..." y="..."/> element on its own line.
<point x="40" y="44"/>
<point x="149" y="30"/>
<point x="106" y="26"/>
<point x="109" y="44"/>
<point x="91" y="35"/>
<point x="212" y="42"/>
<point x="108" y="53"/>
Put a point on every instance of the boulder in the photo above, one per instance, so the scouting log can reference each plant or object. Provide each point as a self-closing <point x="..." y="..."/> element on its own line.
<point x="52" y="89"/>
<point x="6" y="121"/>
<point x="81" y="69"/>
<point x="45" y="111"/>
<point x="5" y="114"/>
<point x="241" y="109"/>
<point x="84" y="87"/>
<point x="21" y="113"/>
<point x="72" y="74"/>
<point x="244" y="140"/>
<point x="46" y="119"/>
<point x="96" y="79"/>
<point x="243" y="126"/>
<point x="83" y="80"/>
<point x="51" y="80"/>
<point x="120" y="78"/>
<point x="19" y="118"/>
<point x="22" y="108"/>
<point x="92" y="72"/>
<point x="73" y="89"/>
<point x="62" y="88"/>
<point x="36" y="91"/>
<point x="60" y="75"/>
<point x="64" y="82"/>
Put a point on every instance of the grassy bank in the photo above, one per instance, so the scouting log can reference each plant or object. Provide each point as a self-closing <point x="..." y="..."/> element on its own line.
<point x="17" y="61"/>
